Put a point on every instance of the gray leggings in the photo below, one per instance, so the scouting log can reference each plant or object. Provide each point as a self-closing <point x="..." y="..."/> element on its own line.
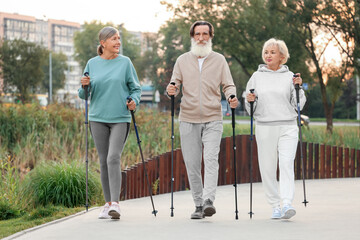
<point x="109" y="140"/>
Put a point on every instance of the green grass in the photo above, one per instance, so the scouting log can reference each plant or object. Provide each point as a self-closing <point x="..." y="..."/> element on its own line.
<point x="12" y="226"/>
<point x="60" y="184"/>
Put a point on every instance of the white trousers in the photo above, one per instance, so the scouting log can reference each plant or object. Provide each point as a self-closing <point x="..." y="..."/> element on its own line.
<point x="195" y="136"/>
<point x="273" y="143"/>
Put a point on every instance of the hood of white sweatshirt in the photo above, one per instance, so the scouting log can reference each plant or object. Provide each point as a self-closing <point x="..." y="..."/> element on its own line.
<point x="264" y="68"/>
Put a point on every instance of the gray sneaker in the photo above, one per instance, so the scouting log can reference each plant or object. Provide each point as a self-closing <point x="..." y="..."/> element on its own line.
<point x="209" y="208"/>
<point x="198" y="214"/>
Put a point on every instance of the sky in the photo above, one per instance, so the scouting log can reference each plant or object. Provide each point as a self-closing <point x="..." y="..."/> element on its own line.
<point x="137" y="15"/>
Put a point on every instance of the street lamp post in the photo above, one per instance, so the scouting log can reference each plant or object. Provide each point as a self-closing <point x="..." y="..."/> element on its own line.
<point x="50" y="77"/>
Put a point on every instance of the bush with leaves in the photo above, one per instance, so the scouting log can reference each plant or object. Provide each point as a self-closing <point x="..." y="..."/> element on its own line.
<point x="60" y="184"/>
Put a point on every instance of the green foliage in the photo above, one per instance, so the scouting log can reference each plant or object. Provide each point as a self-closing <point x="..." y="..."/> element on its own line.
<point x="59" y="67"/>
<point x="21" y="64"/>
<point x="9" y="181"/>
<point x="43" y="212"/>
<point x="9" y="189"/>
<point x="26" y="221"/>
<point x="86" y="42"/>
<point x="8" y="211"/>
<point x="60" y="184"/>
<point x="341" y="136"/>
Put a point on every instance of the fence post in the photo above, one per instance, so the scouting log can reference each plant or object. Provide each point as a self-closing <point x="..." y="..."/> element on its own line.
<point x="352" y="162"/>
<point x="346" y="167"/>
<point x="222" y="162"/>
<point x="322" y="161"/>
<point x="311" y="161"/>
<point x="358" y="163"/>
<point x="328" y="161"/>
<point x="334" y="162"/>
<point x="123" y="185"/>
<point x="229" y="161"/>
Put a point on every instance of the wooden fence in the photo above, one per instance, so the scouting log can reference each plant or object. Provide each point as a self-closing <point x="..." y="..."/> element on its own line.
<point x="321" y="161"/>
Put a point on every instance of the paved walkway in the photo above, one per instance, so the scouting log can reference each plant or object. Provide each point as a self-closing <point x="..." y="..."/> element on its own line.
<point x="333" y="212"/>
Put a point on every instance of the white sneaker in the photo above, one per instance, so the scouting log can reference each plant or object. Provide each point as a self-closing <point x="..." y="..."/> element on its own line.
<point x="114" y="210"/>
<point x="104" y="212"/>
<point x="276" y="213"/>
<point x="288" y="212"/>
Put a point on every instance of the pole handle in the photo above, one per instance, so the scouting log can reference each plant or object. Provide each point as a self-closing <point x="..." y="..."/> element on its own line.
<point x="233" y="112"/>
<point x="86" y="87"/>
<point x="297" y="88"/>
<point x="129" y="99"/>
<point x="252" y="104"/>
<point x="172" y="102"/>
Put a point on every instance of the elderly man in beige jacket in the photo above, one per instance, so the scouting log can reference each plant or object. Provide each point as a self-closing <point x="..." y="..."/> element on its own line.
<point x="201" y="72"/>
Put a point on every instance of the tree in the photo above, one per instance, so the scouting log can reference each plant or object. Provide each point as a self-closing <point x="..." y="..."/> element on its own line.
<point x="87" y="41"/>
<point x="21" y="64"/>
<point x="311" y="19"/>
<point x="241" y="28"/>
<point x="59" y="66"/>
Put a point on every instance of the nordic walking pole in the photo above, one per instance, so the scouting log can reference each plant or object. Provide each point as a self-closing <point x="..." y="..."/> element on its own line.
<point x="86" y="141"/>
<point x="297" y="88"/>
<point x="172" y="154"/>
<point x="251" y="151"/>
<point x="234" y="147"/>
<point x="142" y="158"/>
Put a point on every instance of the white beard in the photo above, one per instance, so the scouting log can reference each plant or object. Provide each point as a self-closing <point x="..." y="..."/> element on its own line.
<point x="201" y="50"/>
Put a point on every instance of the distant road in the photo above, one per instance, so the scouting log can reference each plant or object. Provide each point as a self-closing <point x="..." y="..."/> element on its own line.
<point x="354" y="124"/>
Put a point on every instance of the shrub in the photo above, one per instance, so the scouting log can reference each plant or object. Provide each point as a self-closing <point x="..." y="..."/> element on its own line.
<point x="60" y="184"/>
<point x="8" y="211"/>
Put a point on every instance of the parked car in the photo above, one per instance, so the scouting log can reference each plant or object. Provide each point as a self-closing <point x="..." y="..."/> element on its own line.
<point x="225" y="107"/>
<point x="305" y="120"/>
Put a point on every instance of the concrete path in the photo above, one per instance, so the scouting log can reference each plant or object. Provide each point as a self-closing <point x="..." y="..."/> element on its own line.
<point x="349" y="124"/>
<point x="333" y="212"/>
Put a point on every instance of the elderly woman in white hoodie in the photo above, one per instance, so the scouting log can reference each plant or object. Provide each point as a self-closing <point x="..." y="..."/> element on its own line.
<point x="276" y="128"/>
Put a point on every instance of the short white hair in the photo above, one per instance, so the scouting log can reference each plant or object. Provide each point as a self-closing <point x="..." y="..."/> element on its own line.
<point x="281" y="46"/>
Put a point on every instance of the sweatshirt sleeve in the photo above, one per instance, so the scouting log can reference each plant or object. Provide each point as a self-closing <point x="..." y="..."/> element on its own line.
<point x="133" y="83"/>
<point x="227" y="81"/>
<point x="250" y="85"/>
<point x="81" y="91"/>
<point x="302" y="97"/>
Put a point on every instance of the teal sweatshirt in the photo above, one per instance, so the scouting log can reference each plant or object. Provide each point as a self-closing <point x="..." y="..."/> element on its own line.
<point x="111" y="82"/>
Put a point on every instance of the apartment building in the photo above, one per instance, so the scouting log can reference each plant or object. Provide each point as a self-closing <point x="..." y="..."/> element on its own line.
<point x="55" y="35"/>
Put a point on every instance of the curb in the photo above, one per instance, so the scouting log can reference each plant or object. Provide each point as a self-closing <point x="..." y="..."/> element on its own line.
<point x="23" y="232"/>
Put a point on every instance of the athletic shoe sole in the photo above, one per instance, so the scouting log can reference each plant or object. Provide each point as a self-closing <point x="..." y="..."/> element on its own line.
<point x="197" y="217"/>
<point x="289" y="214"/>
<point x="114" y="214"/>
<point x="209" y="211"/>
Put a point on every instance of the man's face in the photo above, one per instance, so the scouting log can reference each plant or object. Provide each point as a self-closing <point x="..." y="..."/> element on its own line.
<point x="201" y="34"/>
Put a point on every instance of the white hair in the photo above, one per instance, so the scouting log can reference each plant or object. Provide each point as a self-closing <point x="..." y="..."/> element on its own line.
<point x="281" y="46"/>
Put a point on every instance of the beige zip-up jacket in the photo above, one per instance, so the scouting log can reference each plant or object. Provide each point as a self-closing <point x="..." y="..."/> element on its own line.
<point x="201" y="100"/>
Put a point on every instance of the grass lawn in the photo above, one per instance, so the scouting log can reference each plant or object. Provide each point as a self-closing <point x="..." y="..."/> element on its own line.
<point x="11" y="226"/>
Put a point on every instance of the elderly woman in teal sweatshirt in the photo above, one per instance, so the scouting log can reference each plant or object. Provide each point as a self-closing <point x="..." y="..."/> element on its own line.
<point x="276" y="128"/>
<point x="111" y="79"/>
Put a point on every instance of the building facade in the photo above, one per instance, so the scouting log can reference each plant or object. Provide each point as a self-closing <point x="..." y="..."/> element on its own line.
<point x="56" y="36"/>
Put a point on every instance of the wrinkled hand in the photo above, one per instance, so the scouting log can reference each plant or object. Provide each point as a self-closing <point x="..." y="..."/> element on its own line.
<point x="233" y="102"/>
<point x="131" y="105"/>
<point x="298" y="79"/>
<point x="171" y="89"/>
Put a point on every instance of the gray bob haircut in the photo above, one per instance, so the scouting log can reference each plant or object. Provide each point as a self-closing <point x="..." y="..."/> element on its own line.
<point x="281" y="46"/>
<point x="105" y="33"/>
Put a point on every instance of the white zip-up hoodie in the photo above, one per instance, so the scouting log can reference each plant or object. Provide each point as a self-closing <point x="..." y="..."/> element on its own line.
<point x="275" y="102"/>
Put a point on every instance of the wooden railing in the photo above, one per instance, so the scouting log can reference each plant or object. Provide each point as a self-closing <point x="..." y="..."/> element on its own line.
<point x="321" y="161"/>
